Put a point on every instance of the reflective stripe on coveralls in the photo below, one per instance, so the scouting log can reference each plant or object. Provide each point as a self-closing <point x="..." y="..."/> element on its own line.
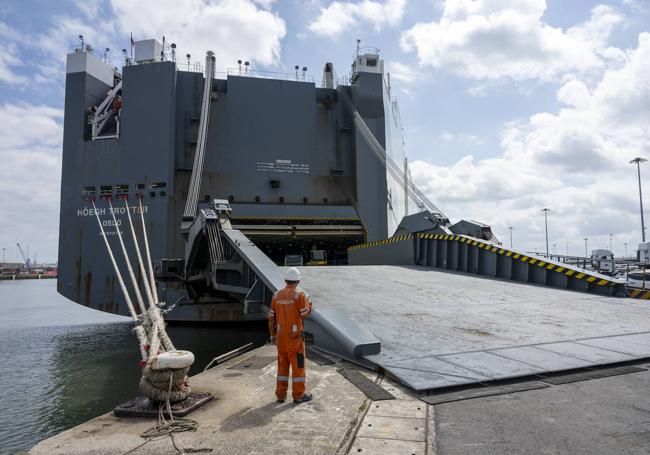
<point x="288" y="308"/>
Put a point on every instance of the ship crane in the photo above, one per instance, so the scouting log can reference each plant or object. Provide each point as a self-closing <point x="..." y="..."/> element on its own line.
<point x="25" y="257"/>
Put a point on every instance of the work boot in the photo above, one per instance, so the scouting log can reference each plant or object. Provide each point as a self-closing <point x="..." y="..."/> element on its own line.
<point x="304" y="399"/>
<point x="281" y="400"/>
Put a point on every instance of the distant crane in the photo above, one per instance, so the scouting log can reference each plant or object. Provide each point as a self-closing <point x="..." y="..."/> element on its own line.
<point x="25" y="257"/>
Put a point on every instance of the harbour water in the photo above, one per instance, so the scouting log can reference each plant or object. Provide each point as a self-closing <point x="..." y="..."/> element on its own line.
<point x="64" y="364"/>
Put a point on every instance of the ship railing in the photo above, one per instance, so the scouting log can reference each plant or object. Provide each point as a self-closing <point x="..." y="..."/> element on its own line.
<point x="343" y="80"/>
<point x="191" y="67"/>
<point x="298" y="75"/>
<point x="197" y="67"/>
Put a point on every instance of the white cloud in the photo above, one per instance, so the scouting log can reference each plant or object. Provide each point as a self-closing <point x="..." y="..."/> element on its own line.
<point x="338" y="16"/>
<point x="267" y="4"/>
<point x="29" y="186"/>
<point x="403" y="73"/>
<point x="491" y="39"/>
<point x="463" y="138"/>
<point x="574" y="93"/>
<point x="233" y="29"/>
<point x="637" y="6"/>
<point x="90" y="8"/>
<point x="42" y="130"/>
<point x="9" y="62"/>
<point x="9" y="57"/>
<point x="574" y="161"/>
<point x="8" y="32"/>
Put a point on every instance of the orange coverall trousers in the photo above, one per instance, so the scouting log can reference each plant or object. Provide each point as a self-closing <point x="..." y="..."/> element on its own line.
<point x="291" y="356"/>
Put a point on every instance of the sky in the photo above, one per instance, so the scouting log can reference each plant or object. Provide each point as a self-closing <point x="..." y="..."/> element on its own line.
<point x="507" y="106"/>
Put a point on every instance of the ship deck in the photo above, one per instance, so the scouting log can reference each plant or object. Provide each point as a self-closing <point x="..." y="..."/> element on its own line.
<point x="441" y="329"/>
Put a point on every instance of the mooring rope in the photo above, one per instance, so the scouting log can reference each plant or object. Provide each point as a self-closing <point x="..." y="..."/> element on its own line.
<point x="146" y="248"/>
<point x="134" y="282"/>
<point x="166" y="427"/>
<point x="150" y="321"/>
<point x="139" y="330"/>
<point x="154" y="311"/>
<point x="143" y="273"/>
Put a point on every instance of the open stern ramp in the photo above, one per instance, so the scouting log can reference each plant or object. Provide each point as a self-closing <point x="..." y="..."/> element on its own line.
<point x="462" y="253"/>
<point x="439" y="329"/>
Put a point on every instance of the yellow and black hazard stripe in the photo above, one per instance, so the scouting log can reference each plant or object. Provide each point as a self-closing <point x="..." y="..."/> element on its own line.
<point x="640" y="294"/>
<point x="388" y="241"/>
<point x="498" y="249"/>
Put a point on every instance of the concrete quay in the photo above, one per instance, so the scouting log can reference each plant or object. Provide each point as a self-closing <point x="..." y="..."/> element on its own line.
<point x="608" y="415"/>
<point x="244" y="418"/>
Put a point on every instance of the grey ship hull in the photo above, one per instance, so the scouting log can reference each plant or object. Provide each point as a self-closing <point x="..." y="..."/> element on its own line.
<point x="285" y="153"/>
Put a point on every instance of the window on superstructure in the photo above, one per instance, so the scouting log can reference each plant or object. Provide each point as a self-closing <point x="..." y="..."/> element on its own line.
<point x="121" y="190"/>
<point x="88" y="191"/>
<point x="106" y="190"/>
<point x="159" y="185"/>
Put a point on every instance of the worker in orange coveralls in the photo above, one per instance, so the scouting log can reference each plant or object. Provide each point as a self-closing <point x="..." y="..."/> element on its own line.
<point x="288" y="308"/>
<point x="117" y="104"/>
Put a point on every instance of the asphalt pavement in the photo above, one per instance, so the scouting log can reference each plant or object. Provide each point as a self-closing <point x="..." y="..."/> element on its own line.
<point x="599" y="416"/>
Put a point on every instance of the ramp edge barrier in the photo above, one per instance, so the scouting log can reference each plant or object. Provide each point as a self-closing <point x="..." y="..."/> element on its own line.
<point x="490" y="260"/>
<point x="642" y="294"/>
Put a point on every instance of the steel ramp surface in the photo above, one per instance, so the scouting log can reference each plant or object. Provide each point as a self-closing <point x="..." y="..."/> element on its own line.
<point x="440" y="329"/>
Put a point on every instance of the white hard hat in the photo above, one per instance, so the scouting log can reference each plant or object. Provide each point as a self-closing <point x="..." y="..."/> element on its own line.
<point x="293" y="274"/>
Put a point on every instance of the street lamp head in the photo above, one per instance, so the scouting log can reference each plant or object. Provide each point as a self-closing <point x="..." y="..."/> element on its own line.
<point x="545" y="210"/>
<point x="638" y="160"/>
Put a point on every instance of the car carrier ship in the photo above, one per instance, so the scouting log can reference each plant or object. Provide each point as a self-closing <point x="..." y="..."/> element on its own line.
<point x="307" y="169"/>
<point x="236" y="175"/>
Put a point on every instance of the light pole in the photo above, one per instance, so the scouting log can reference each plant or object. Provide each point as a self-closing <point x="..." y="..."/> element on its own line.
<point x="625" y="249"/>
<point x="555" y="248"/>
<point x="545" y="210"/>
<point x="567" y="248"/>
<point x="510" y="228"/>
<point x="3" y="256"/>
<point x="638" y="162"/>
<point x="586" y="240"/>
<point x="610" y="243"/>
